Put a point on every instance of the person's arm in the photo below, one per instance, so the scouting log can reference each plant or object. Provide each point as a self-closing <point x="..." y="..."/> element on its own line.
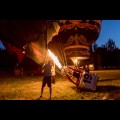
<point x="43" y="68"/>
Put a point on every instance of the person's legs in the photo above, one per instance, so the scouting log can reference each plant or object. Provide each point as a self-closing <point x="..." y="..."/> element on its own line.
<point x="78" y="82"/>
<point x="50" y="86"/>
<point x="42" y="91"/>
<point x="50" y="92"/>
<point x="43" y="85"/>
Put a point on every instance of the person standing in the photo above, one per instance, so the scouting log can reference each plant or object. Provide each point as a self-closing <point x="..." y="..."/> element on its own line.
<point x="77" y="73"/>
<point x="87" y="69"/>
<point x="47" y="77"/>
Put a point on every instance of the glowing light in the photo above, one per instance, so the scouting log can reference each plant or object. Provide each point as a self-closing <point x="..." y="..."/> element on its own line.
<point x="55" y="59"/>
<point x="23" y="52"/>
<point x="91" y="66"/>
<point x="76" y="61"/>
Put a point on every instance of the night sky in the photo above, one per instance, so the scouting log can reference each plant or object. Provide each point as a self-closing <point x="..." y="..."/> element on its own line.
<point x="110" y="29"/>
<point x="1" y="45"/>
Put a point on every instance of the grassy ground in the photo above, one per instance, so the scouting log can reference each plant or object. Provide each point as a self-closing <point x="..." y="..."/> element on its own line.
<point x="28" y="88"/>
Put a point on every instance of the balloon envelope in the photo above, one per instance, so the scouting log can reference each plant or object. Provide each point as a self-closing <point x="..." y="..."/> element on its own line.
<point x="30" y="36"/>
<point x="76" y="37"/>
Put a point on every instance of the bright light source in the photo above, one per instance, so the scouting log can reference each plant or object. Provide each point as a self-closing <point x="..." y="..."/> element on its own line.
<point x="23" y="52"/>
<point x="76" y="61"/>
<point x="91" y="66"/>
<point x="55" y="59"/>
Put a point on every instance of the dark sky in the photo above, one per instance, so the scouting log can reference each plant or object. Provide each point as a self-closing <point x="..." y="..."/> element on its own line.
<point x="1" y="45"/>
<point x="110" y="29"/>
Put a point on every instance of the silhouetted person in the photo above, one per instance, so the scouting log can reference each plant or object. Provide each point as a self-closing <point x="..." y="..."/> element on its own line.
<point x="47" y="77"/>
<point x="77" y="73"/>
<point x="87" y="69"/>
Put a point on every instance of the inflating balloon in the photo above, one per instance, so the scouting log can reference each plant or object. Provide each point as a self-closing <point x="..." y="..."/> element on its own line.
<point x="71" y="38"/>
<point x="76" y="37"/>
<point x="67" y="39"/>
<point x="28" y="37"/>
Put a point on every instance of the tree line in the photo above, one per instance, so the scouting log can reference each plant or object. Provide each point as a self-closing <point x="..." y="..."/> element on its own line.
<point x="7" y="61"/>
<point x="106" y="56"/>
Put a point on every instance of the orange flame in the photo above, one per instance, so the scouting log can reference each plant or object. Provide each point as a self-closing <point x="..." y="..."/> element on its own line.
<point x="55" y="59"/>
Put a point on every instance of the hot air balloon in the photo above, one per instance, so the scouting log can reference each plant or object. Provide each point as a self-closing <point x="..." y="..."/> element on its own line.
<point x="68" y="39"/>
<point x="76" y="37"/>
<point x="28" y="37"/>
<point x="72" y="45"/>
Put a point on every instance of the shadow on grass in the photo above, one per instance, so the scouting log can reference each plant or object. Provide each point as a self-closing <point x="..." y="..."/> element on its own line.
<point x="106" y="88"/>
<point x="112" y="79"/>
<point x="100" y="89"/>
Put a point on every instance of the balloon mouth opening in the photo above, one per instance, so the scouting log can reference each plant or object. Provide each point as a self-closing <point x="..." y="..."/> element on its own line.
<point x="76" y="60"/>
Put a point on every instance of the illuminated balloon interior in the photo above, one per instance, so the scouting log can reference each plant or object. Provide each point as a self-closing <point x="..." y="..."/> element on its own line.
<point x="75" y="38"/>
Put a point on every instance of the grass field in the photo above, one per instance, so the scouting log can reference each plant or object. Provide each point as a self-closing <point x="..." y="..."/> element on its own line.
<point x="28" y="88"/>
